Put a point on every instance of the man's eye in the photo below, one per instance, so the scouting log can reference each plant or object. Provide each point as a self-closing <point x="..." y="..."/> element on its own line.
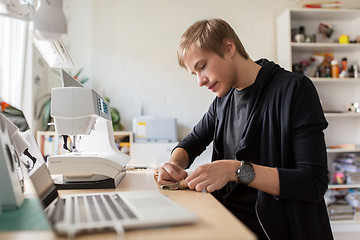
<point x="203" y="66"/>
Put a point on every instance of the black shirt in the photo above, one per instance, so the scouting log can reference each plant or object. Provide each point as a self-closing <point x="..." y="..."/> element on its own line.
<point x="235" y="123"/>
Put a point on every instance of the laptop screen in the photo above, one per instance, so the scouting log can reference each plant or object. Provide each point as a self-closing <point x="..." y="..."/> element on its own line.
<point x="32" y="160"/>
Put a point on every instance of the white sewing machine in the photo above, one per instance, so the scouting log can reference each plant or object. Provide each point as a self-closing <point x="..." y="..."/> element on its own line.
<point x="94" y="161"/>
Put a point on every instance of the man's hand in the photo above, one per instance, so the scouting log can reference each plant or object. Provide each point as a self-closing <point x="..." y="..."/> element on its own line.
<point x="171" y="173"/>
<point x="212" y="176"/>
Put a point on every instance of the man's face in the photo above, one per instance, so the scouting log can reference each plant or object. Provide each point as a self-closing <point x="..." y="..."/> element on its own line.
<point x="211" y="70"/>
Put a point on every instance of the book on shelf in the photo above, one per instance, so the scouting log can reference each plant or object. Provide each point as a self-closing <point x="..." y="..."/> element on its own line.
<point x="52" y="144"/>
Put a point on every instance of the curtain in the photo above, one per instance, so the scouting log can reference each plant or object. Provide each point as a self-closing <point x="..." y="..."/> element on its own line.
<point x="13" y="50"/>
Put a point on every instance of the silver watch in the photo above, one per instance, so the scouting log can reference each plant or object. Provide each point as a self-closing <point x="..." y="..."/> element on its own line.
<point x="245" y="173"/>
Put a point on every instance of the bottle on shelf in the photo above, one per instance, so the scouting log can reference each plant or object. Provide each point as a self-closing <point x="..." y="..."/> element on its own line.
<point x="344" y="68"/>
<point x="325" y="67"/>
<point x="334" y="69"/>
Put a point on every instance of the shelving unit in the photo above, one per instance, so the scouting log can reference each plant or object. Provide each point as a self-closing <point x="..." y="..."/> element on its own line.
<point x="51" y="144"/>
<point x="335" y="93"/>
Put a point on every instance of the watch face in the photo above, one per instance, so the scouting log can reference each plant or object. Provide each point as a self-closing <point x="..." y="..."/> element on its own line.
<point x="246" y="174"/>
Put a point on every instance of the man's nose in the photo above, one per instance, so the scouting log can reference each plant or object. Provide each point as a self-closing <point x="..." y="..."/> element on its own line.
<point x="202" y="80"/>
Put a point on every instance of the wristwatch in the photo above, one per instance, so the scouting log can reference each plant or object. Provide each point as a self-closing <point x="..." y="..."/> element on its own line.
<point x="245" y="173"/>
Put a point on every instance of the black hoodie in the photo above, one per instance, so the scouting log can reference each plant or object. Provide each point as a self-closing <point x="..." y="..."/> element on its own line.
<point x="284" y="129"/>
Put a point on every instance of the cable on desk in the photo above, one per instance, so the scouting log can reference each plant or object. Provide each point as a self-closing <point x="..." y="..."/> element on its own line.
<point x="120" y="231"/>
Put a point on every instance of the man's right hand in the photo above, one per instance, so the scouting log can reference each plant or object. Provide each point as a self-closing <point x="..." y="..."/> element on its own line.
<point x="171" y="173"/>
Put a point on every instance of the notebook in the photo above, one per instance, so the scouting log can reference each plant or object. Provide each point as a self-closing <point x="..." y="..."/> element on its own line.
<point x="74" y="214"/>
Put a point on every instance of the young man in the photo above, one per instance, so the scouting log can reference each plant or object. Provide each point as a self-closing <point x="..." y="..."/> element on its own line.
<point x="269" y="163"/>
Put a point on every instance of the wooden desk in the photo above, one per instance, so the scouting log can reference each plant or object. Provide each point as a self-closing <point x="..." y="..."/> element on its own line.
<point x="215" y="221"/>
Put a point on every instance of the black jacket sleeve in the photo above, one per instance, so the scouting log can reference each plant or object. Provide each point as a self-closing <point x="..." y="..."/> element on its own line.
<point x="306" y="177"/>
<point x="201" y="136"/>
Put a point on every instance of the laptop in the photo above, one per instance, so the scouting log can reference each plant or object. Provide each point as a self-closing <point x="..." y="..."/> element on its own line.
<point x="74" y="214"/>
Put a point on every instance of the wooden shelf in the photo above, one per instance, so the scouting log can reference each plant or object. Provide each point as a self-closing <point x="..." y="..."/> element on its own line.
<point x="342" y="150"/>
<point x="341" y="115"/>
<point x="346" y="225"/>
<point x="335" y="186"/>
<point x="335" y="80"/>
<point x="325" y="47"/>
<point x="321" y="14"/>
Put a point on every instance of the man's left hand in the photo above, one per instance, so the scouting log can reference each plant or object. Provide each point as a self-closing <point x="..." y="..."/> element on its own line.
<point x="212" y="176"/>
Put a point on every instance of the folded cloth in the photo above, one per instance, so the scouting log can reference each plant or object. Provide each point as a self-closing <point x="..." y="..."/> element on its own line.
<point x="173" y="186"/>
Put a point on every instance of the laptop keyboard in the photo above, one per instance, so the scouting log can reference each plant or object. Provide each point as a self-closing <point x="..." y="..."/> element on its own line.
<point x="125" y="207"/>
<point x="93" y="208"/>
<point x="59" y="212"/>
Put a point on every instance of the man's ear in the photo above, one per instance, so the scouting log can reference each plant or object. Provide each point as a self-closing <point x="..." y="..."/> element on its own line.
<point x="229" y="47"/>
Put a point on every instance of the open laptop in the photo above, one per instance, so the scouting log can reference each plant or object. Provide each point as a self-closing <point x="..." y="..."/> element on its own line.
<point x="74" y="214"/>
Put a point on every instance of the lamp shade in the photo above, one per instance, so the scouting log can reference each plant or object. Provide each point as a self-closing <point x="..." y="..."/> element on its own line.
<point x="49" y="21"/>
<point x="17" y="9"/>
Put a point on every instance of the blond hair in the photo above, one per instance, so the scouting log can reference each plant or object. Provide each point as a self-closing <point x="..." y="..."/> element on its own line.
<point x="208" y="35"/>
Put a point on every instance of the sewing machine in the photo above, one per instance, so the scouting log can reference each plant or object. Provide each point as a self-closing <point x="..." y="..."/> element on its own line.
<point x="94" y="160"/>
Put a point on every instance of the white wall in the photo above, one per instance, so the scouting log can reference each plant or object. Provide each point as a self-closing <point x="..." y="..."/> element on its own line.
<point x="128" y="49"/>
<point x="79" y="40"/>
